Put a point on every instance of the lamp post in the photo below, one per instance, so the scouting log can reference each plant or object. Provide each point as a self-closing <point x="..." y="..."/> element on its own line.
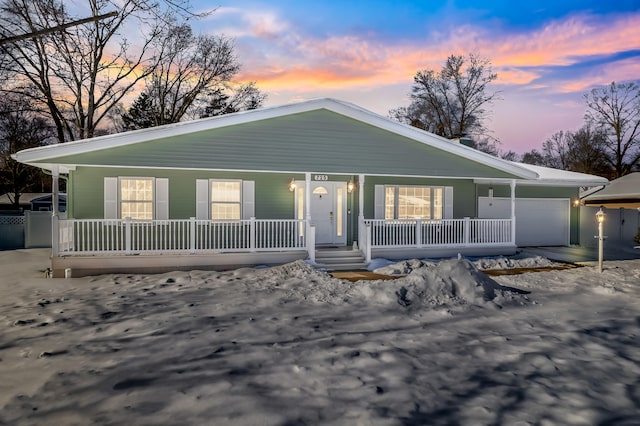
<point x="600" y="218"/>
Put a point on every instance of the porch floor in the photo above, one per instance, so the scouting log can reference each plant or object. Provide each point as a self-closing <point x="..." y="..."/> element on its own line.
<point x="81" y="266"/>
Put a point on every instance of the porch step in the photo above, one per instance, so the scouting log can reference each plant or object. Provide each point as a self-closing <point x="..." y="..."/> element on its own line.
<point x="340" y="259"/>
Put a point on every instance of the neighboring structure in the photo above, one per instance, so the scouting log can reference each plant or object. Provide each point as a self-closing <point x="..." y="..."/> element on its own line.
<point x="621" y="201"/>
<point x="623" y="192"/>
<point x="30" y="226"/>
<point x="34" y="201"/>
<point x="276" y="184"/>
<point x="44" y="203"/>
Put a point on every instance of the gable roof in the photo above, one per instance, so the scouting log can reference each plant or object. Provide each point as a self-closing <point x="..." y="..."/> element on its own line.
<point x="287" y="138"/>
<point x="624" y="189"/>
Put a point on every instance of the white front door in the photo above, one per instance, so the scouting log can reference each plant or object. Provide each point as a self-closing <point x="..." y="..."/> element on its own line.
<point x="329" y="212"/>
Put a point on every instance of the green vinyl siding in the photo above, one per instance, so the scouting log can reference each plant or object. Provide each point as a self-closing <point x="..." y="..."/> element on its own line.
<point x="319" y="141"/>
<point x="273" y="200"/>
<point x="529" y="191"/>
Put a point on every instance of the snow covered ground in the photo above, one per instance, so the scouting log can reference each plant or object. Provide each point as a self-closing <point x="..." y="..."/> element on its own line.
<point x="290" y="345"/>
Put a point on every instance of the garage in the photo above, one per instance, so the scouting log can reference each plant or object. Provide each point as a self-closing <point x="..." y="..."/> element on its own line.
<point x="539" y="221"/>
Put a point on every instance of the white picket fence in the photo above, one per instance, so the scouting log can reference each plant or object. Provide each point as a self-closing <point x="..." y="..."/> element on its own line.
<point x="445" y="232"/>
<point x="114" y="236"/>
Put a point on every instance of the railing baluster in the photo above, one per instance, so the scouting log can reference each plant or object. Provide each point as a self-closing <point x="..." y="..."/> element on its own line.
<point x="93" y="236"/>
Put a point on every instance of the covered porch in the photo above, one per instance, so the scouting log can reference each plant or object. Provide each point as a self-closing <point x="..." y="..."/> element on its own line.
<point x="95" y="245"/>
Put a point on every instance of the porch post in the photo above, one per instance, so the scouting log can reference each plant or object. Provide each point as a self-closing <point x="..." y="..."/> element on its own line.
<point x="360" y="198"/>
<point x="311" y="230"/>
<point x="513" y="211"/>
<point x="367" y="250"/>
<point x="252" y="234"/>
<point x="127" y="235"/>
<point x="192" y="235"/>
<point x="307" y="195"/>
<point x="55" y="238"/>
<point x="362" y="239"/>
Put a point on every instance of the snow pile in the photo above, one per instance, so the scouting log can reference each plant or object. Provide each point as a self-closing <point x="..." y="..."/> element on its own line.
<point x="380" y="266"/>
<point x="298" y="281"/>
<point x="444" y="284"/>
<point x="512" y="262"/>
<point x="404" y="267"/>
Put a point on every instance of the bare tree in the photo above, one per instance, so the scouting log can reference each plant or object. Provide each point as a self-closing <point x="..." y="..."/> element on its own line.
<point x="615" y="111"/>
<point x="243" y="98"/>
<point x="83" y="72"/>
<point x="580" y="151"/>
<point x="451" y="102"/>
<point x="587" y="152"/>
<point x="555" y="150"/>
<point x="21" y="127"/>
<point x="534" y="157"/>
<point x="190" y="66"/>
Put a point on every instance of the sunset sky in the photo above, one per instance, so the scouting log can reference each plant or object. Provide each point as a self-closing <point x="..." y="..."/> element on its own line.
<point x="547" y="53"/>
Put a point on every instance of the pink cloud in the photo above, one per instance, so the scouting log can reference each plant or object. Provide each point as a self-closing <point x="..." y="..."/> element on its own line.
<point x="339" y="61"/>
<point x="560" y="42"/>
<point x="623" y="70"/>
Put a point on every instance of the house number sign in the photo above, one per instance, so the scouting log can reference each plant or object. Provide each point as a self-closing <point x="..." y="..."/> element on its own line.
<point x="321" y="177"/>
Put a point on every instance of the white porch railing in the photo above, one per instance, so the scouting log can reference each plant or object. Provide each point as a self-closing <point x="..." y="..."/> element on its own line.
<point x="445" y="232"/>
<point x="106" y="236"/>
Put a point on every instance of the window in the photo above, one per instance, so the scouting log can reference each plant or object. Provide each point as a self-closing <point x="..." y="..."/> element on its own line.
<point x="140" y="198"/>
<point x="226" y="199"/>
<point x="413" y="202"/>
<point x="136" y="198"/>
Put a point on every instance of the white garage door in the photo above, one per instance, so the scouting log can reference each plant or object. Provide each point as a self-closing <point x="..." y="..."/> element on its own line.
<point x="539" y="221"/>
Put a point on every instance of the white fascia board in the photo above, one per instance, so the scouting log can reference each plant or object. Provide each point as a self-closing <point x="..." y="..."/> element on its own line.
<point x="572" y="183"/>
<point x="558" y="182"/>
<point x="591" y="191"/>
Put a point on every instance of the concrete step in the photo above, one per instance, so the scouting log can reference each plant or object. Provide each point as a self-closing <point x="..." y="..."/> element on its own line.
<point x="327" y="253"/>
<point x="338" y="260"/>
<point x="342" y="266"/>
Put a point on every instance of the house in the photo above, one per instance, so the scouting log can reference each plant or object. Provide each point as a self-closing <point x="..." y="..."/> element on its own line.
<point x="34" y="201"/>
<point x="623" y="192"/>
<point x="621" y="202"/>
<point x="323" y="180"/>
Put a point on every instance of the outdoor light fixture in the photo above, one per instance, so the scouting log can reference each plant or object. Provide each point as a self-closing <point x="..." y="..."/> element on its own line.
<point x="350" y="186"/>
<point x="600" y="215"/>
<point x="576" y="202"/>
<point x="292" y="185"/>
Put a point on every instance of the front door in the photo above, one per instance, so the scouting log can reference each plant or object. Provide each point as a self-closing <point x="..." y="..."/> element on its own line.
<point x="329" y="212"/>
